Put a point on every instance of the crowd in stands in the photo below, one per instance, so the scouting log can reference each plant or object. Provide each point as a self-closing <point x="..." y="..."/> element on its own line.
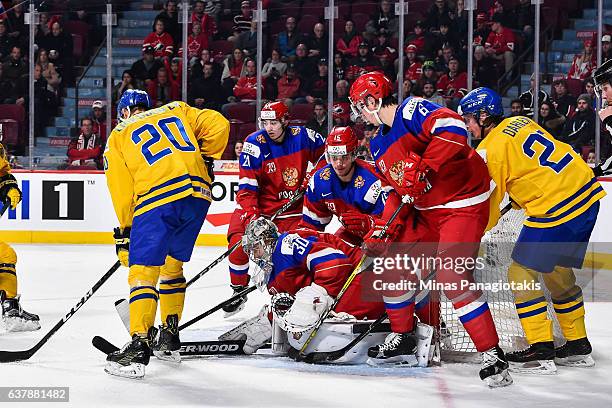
<point x="222" y="60"/>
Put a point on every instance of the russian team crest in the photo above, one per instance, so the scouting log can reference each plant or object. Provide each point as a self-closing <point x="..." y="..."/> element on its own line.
<point x="397" y="172"/>
<point x="290" y="176"/>
<point x="359" y="182"/>
<point x="325" y="173"/>
<point x="295" y="130"/>
<point x="261" y="138"/>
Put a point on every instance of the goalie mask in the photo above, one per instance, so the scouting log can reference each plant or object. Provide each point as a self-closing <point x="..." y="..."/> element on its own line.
<point x="258" y="242"/>
<point x="603" y="77"/>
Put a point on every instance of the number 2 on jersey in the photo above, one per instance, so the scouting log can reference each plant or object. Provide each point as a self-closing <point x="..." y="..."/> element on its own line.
<point x="549" y="148"/>
<point x="151" y="158"/>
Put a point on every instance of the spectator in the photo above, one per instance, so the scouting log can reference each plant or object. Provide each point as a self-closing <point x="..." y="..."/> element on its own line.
<point x="42" y="28"/>
<point x="564" y="102"/>
<point x="484" y="68"/>
<point x="362" y="63"/>
<point x="438" y="11"/>
<point x="445" y="36"/>
<point x="316" y="87"/>
<point x="348" y="43"/>
<point x="245" y="89"/>
<point x="161" y="42"/>
<point x="175" y="72"/>
<point x="589" y="89"/>
<point x="86" y="149"/>
<point x="289" y="39"/>
<point x="206" y="91"/>
<point x="15" y="68"/>
<point x="340" y="67"/>
<point x="238" y="149"/>
<point x="606" y="47"/>
<point x="233" y="68"/>
<point x="453" y="86"/>
<point x="342" y="90"/>
<point x="523" y="16"/>
<point x="579" y="131"/>
<point x="591" y="159"/>
<point x="387" y="65"/>
<point x="161" y="90"/>
<point x="48" y="70"/>
<point x="196" y="42"/>
<point x="430" y="93"/>
<point x="127" y="82"/>
<point x="583" y="64"/>
<point x="459" y="19"/>
<point x="319" y="121"/>
<point x="145" y="69"/>
<point x="45" y="101"/>
<point x="500" y="44"/>
<point x="341" y="113"/>
<point x="6" y="41"/>
<point x="247" y="41"/>
<point x="482" y="31"/>
<point x="516" y="108"/>
<point x="98" y="119"/>
<point x="384" y="22"/>
<point x="527" y="98"/>
<point x="429" y="74"/>
<point x="304" y="65"/>
<point x="442" y="60"/>
<point x="383" y="47"/>
<point x="213" y="8"/>
<point x="209" y="26"/>
<point x="288" y="86"/>
<point x="6" y="88"/>
<point x="318" y="45"/>
<point x="424" y="41"/>
<point x="407" y="89"/>
<point x="16" y="21"/>
<point x="412" y="66"/>
<point x="60" y="47"/>
<point x="497" y="10"/>
<point x="550" y="119"/>
<point x="242" y="21"/>
<point x="205" y="58"/>
<point x="170" y="18"/>
<point x="274" y="68"/>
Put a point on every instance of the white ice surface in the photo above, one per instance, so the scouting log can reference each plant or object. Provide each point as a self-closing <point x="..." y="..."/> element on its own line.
<point x="53" y="278"/>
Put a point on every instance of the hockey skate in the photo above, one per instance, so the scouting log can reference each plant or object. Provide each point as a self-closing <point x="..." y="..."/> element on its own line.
<point x="406" y="349"/>
<point x="168" y="343"/>
<point x="575" y="353"/>
<point x="130" y="361"/>
<point x="238" y="304"/>
<point x="15" y="318"/>
<point x="494" y="371"/>
<point x="537" y="359"/>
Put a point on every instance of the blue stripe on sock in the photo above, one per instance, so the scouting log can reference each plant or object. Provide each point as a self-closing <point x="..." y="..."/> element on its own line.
<point x="530" y="302"/>
<point x="171" y="291"/>
<point x="532" y="313"/>
<point x="474" y="313"/>
<point x="172" y="281"/>
<point x="135" y="288"/>
<point x="143" y="296"/>
<point x="568" y="299"/>
<point x="570" y="309"/>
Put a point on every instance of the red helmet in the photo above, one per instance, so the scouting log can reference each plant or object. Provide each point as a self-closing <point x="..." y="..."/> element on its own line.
<point x="374" y="84"/>
<point x="274" y="111"/>
<point x="341" y="141"/>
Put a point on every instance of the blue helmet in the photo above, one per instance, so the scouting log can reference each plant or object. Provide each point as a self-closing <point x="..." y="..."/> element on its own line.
<point x="133" y="97"/>
<point x="481" y="100"/>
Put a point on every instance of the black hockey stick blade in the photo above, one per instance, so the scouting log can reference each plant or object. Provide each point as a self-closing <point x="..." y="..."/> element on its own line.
<point x="9" y="356"/>
<point x="330" y="356"/>
<point x="103" y="345"/>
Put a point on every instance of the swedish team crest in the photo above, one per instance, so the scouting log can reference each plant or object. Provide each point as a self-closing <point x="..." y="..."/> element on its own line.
<point x="325" y="173"/>
<point x="397" y="172"/>
<point x="359" y="182"/>
<point x="290" y="176"/>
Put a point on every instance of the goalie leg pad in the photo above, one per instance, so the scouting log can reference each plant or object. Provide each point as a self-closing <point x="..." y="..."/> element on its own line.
<point x="257" y="331"/>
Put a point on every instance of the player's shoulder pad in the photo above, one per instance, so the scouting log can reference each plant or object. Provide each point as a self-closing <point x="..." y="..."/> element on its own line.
<point x="292" y="244"/>
<point x="253" y="143"/>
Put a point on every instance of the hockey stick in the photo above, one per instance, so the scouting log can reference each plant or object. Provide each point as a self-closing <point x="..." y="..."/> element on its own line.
<point x="301" y="355"/>
<point x="190" y="348"/>
<point x="101" y="340"/>
<point x="5" y="206"/>
<point x="325" y="357"/>
<point x="9" y="356"/>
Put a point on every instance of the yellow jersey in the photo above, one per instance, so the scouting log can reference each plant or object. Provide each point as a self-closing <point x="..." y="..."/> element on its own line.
<point x="155" y="157"/>
<point x="540" y="174"/>
<point x="5" y="167"/>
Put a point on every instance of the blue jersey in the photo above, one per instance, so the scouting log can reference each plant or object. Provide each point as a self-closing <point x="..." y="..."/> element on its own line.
<point x="271" y="172"/>
<point x="327" y="195"/>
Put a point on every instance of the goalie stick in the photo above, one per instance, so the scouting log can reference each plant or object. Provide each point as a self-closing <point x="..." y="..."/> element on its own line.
<point x="190" y="348"/>
<point x="210" y="311"/>
<point x="8" y="356"/>
<point x="301" y="355"/>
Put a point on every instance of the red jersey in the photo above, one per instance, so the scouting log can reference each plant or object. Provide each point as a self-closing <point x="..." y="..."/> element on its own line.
<point x="501" y="42"/>
<point x="453" y="87"/>
<point x="271" y="173"/>
<point x="457" y="174"/>
<point x="414" y="71"/>
<point x="246" y="88"/>
<point x="162" y="44"/>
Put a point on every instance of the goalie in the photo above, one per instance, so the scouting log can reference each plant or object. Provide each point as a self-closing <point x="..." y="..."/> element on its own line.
<point x="305" y="270"/>
<point x="560" y="196"/>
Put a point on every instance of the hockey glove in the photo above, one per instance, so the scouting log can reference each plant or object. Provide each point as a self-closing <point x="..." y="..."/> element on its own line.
<point x="257" y="331"/>
<point x="311" y="302"/>
<point x="374" y="245"/>
<point x="122" y="244"/>
<point x="209" y="163"/>
<point x="415" y="182"/>
<point x="9" y="190"/>
<point x="249" y="215"/>
<point x="357" y="223"/>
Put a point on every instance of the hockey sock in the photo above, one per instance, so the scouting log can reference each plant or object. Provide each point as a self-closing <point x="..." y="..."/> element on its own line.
<point x="475" y="316"/>
<point x="530" y="304"/>
<point x="8" y="273"/>
<point x="143" y="297"/>
<point x="172" y="286"/>
<point x="567" y="301"/>
<point x="238" y="263"/>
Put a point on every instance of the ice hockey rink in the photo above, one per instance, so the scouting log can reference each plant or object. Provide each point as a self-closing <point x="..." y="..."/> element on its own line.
<point x="54" y="277"/>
